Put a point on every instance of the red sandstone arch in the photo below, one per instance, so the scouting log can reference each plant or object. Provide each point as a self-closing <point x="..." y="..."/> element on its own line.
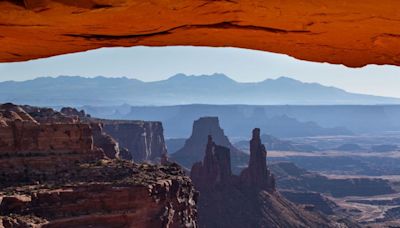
<point x="349" y="32"/>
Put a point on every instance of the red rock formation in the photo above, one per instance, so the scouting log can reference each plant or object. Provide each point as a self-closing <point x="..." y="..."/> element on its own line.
<point x="257" y="174"/>
<point x="143" y="139"/>
<point x="215" y="168"/>
<point x="103" y="194"/>
<point x="250" y="200"/>
<point x="104" y="141"/>
<point x="131" y="140"/>
<point x="353" y="33"/>
<point x="22" y="133"/>
<point x="52" y="175"/>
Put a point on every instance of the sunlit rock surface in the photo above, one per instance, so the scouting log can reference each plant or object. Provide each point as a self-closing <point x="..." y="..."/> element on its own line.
<point x="53" y="174"/>
<point x="354" y="33"/>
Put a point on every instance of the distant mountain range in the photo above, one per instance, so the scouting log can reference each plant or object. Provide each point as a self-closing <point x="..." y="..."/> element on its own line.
<point x="178" y="89"/>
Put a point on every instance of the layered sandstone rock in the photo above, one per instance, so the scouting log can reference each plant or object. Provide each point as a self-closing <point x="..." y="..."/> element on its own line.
<point x="143" y="139"/>
<point x="131" y="140"/>
<point x="108" y="193"/>
<point x="33" y="148"/>
<point x="53" y="175"/>
<point x="69" y="116"/>
<point x="353" y="33"/>
<point x="104" y="141"/>
<point x="127" y="139"/>
<point x="193" y="150"/>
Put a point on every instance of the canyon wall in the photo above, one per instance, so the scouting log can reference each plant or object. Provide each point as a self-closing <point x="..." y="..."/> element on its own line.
<point x="143" y="139"/>
<point x="53" y="175"/>
<point x="140" y="141"/>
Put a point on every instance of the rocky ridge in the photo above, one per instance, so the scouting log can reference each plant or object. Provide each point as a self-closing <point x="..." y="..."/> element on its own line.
<point x="54" y="175"/>
<point x="140" y="141"/>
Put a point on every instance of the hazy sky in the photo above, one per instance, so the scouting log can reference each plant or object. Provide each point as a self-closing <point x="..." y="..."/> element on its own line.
<point x="149" y="64"/>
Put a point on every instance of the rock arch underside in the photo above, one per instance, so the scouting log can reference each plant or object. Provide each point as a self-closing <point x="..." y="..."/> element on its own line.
<point x="353" y="33"/>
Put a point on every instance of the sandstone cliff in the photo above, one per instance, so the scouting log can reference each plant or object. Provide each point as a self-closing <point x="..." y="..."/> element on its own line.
<point x="193" y="150"/>
<point x="143" y="139"/>
<point x="128" y="139"/>
<point x="52" y="175"/>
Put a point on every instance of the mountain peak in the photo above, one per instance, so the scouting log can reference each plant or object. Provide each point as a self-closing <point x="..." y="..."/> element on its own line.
<point x="282" y="79"/>
<point x="287" y="79"/>
<point x="216" y="76"/>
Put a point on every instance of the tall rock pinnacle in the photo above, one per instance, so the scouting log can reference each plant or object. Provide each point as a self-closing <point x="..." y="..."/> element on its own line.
<point x="258" y="158"/>
<point x="215" y="168"/>
<point x="257" y="174"/>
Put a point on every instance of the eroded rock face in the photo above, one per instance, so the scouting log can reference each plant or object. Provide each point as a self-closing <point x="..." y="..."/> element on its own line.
<point x="250" y="200"/>
<point x="104" y="141"/>
<point x="127" y="139"/>
<point x="353" y="33"/>
<point x="73" y="112"/>
<point x="53" y="175"/>
<point x="143" y="139"/>
<point x="257" y="174"/>
<point x="29" y="145"/>
<point x="108" y="193"/>
<point x="215" y="168"/>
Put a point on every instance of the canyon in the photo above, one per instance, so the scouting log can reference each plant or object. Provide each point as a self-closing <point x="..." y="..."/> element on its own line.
<point x="53" y="174"/>
<point x="140" y="141"/>
<point x="65" y="168"/>
<point x="249" y="199"/>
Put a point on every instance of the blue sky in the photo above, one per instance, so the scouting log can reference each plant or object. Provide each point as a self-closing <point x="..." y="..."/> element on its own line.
<point x="156" y="63"/>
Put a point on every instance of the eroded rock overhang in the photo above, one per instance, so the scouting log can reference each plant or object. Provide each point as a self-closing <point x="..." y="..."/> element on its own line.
<point x="353" y="33"/>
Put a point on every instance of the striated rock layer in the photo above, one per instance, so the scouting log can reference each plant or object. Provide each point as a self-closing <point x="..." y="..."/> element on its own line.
<point x="353" y="33"/>
<point x="248" y="200"/>
<point x="128" y="139"/>
<point x="107" y="193"/>
<point x="143" y="139"/>
<point x="52" y="174"/>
